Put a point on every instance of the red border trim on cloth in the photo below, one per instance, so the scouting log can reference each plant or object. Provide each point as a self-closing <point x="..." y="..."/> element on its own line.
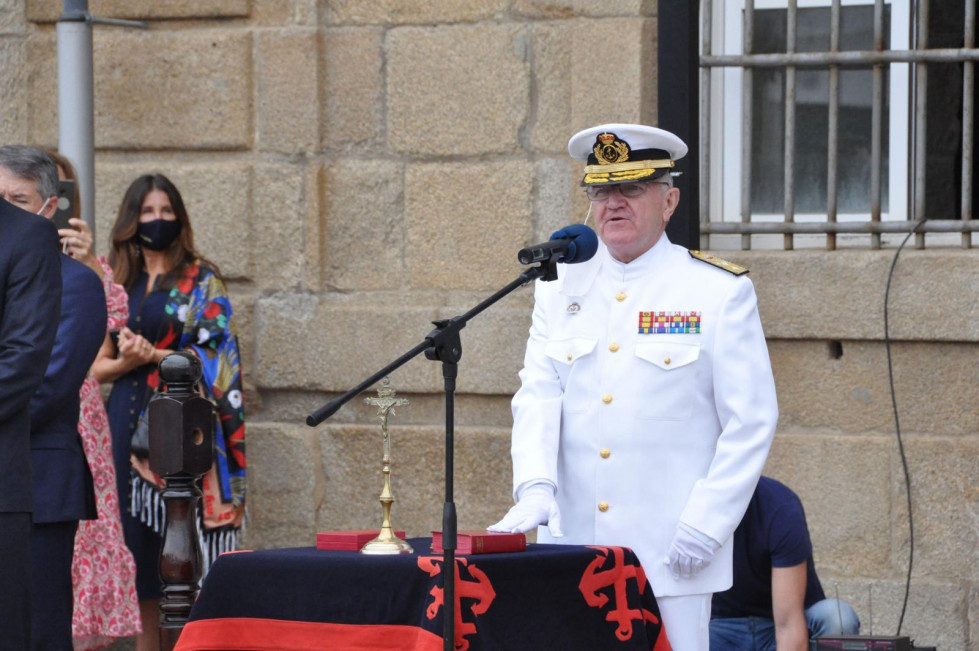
<point x="253" y="634"/>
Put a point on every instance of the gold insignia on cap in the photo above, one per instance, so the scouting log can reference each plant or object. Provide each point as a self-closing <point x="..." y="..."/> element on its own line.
<point x="720" y="263"/>
<point x="610" y="150"/>
<point x="632" y="171"/>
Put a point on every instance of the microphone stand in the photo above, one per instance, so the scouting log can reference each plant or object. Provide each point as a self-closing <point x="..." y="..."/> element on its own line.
<point x="443" y="344"/>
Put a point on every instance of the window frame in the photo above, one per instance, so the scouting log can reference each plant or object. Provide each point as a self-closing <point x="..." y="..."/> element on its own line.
<point x="725" y="156"/>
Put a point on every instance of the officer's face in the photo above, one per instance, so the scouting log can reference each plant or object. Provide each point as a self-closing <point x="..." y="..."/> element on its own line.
<point x="630" y="226"/>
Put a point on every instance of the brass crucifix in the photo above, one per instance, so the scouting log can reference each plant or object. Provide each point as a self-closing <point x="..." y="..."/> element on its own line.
<point x="386" y="542"/>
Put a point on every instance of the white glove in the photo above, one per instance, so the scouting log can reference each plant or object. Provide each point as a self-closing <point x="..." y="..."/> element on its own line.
<point x="536" y="505"/>
<point x="690" y="552"/>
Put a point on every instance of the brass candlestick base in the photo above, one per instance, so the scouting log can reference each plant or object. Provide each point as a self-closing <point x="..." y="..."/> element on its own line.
<point x="377" y="546"/>
<point x="386" y="542"/>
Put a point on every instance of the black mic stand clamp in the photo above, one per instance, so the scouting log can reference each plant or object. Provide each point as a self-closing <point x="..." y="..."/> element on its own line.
<point x="547" y="270"/>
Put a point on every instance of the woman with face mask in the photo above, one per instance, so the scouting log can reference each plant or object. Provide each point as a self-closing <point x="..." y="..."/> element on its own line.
<point x="177" y="301"/>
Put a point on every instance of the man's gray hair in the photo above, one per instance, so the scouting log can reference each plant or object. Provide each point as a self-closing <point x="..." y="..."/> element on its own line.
<point x="31" y="164"/>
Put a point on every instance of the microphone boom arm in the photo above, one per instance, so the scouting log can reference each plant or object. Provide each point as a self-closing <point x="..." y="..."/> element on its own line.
<point x="435" y="340"/>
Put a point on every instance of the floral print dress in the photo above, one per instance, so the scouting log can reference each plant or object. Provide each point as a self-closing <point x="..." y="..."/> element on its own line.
<point x="102" y="571"/>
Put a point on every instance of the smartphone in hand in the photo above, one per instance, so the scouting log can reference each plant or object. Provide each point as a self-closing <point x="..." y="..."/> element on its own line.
<point x="66" y="204"/>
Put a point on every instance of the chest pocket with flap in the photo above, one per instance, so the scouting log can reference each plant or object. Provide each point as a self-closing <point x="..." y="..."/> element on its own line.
<point x="666" y="387"/>
<point x="668" y="355"/>
<point x="569" y="356"/>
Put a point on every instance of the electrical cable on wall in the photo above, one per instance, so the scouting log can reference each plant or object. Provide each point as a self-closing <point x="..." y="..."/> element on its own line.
<point x="897" y="423"/>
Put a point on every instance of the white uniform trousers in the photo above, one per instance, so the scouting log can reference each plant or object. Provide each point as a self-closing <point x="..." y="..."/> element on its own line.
<point x="687" y="621"/>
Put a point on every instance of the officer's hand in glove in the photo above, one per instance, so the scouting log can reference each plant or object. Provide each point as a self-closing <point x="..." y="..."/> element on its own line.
<point x="690" y="552"/>
<point x="535" y="506"/>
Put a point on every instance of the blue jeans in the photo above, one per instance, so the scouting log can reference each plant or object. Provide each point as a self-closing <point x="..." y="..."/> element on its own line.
<point x="826" y="617"/>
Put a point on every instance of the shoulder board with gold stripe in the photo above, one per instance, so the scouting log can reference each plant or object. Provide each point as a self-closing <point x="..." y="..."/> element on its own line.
<point x="721" y="263"/>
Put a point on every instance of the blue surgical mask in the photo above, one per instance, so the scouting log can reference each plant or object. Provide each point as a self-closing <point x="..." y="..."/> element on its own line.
<point x="158" y="234"/>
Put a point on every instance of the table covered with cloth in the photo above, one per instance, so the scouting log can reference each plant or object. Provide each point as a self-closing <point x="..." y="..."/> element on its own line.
<point x="547" y="597"/>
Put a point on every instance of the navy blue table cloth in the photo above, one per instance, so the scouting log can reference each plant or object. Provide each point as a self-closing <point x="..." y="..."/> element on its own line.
<point x="547" y="597"/>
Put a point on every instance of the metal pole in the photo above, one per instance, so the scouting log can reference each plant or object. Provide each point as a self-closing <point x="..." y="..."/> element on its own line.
<point x="774" y="228"/>
<point x="76" y="121"/>
<point x="921" y="122"/>
<point x="789" y="155"/>
<point x="833" y="136"/>
<point x="875" y="123"/>
<point x="844" y="58"/>
<point x="968" y="113"/>
<point x="705" y="118"/>
<point x="746" y="115"/>
<point x="76" y="112"/>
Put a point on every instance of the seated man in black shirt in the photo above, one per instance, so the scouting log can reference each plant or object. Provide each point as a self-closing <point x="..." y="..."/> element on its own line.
<point x="776" y="599"/>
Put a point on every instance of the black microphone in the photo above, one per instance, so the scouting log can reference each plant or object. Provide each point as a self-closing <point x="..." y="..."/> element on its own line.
<point x="570" y="245"/>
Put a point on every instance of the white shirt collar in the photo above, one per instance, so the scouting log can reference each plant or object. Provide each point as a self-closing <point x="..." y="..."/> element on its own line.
<point x="629" y="271"/>
<point x="577" y="279"/>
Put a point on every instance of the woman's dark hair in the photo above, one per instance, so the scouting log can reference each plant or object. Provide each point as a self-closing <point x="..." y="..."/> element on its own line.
<point x="124" y="249"/>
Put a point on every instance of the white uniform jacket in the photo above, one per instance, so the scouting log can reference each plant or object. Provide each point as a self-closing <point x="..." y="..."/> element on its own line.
<point x="640" y="430"/>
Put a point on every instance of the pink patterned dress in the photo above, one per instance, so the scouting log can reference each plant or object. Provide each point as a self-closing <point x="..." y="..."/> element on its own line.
<point x="103" y="572"/>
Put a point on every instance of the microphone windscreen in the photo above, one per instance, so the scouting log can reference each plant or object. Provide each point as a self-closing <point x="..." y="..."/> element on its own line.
<point x="584" y="243"/>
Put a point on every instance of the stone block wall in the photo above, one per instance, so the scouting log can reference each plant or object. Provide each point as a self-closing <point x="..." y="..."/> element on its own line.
<point x="359" y="168"/>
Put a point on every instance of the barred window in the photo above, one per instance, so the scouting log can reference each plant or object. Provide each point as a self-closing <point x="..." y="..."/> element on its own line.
<point x="815" y="131"/>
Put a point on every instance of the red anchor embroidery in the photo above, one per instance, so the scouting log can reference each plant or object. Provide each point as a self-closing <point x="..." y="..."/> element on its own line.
<point x="478" y="588"/>
<point x="594" y="579"/>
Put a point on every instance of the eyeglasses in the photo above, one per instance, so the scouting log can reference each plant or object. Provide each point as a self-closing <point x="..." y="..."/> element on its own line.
<point x="628" y="190"/>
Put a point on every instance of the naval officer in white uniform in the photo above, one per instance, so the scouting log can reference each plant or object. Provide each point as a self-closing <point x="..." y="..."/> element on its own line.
<point x="647" y="404"/>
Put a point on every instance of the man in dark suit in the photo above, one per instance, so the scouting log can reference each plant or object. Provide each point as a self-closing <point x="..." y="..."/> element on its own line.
<point x="62" y="482"/>
<point x="30" y="301"/>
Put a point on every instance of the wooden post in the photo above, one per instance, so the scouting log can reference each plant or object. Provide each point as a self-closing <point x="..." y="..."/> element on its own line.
<point x="181" y="451"/>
